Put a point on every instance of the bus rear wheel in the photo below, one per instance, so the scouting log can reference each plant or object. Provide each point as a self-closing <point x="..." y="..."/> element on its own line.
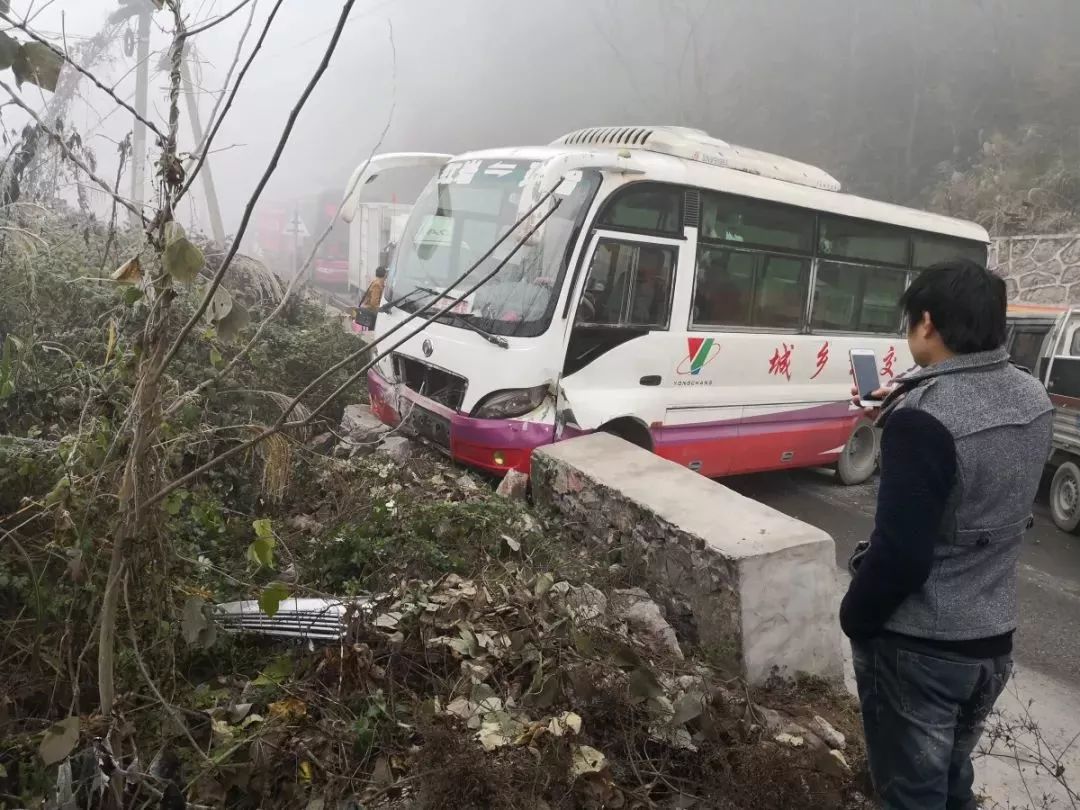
<point x="1065" y="498"/>
<point x="858" y="460"/>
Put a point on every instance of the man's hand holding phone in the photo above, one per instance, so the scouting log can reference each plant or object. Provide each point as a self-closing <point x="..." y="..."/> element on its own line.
<point x="868" y="392"/>
<point x="871" y="403"/>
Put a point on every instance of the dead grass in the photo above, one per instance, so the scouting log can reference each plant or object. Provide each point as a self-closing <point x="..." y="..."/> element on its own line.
<point x="460" y="690"/>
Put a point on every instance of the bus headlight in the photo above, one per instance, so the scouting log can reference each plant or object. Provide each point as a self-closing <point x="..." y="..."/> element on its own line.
<point x="508" y="404"/>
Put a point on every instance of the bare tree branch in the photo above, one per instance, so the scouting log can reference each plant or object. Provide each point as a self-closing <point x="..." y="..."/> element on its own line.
<point x="249" y="210"/>
<point x="31" y="14"/>
<point x="143" y="412"/>
<point x="302" y="273"/>
<point x="215" y="124"/>
<point x="281" y="423"/>
<point x="97" y="83"/>
<point x="173" y="713"/>
<point x="202" y="147"/>
<point x="175" y="74"/>
<point x="68" y="153"/>
<point x="371" y="363"/>
<point x="208" y="25"/>
<point x="123" y="150"/>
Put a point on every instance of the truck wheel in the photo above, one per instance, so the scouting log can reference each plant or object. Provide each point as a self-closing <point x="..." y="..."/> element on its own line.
<point x="1065" y="497"/>
<point x="858" y="459"/>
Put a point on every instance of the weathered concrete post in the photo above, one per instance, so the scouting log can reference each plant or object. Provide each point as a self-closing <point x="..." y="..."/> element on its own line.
<point x="758" y="587"/>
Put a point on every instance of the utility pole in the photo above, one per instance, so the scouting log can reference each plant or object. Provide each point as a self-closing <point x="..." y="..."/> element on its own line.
<point x="142" y="96"/>
<point x="212" y="207"/>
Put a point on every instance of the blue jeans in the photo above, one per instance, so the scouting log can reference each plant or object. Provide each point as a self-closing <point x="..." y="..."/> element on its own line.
<point x="923" y="713"/>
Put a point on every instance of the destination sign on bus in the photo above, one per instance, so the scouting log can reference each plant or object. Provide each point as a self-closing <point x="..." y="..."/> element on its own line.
<point x="436" y="231"/>
<point x="468" y="172"/>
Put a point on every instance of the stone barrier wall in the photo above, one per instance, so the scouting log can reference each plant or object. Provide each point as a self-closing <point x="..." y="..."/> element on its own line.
<point x="755" y="588"/>
<point x="1039" y="269"/>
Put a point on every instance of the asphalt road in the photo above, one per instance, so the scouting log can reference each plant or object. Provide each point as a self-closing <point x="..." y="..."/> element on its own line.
<point x="1048" y="639"/>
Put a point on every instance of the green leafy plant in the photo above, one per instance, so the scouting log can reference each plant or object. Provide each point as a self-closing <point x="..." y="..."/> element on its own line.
<point x="33" y="62"/>
<point x="9" y="365"/>
<point x="182" y="259"/>
<point x="272" y="596"/>
<point x="373" y="721"/>
<point x="261" y="551"/>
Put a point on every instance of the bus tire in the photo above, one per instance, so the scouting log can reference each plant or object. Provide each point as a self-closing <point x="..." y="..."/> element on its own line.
<point x="630" y="430"/>
<point x="1065" y="498"/>
<point x="859" y="458"/>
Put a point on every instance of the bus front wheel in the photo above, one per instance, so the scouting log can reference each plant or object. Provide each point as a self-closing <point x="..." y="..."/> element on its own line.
<point x="859" y="458"/>
<point x="1065" y="498"/>
<point x="629" y="430"/>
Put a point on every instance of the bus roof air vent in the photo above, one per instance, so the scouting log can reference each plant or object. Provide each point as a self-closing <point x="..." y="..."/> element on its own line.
<point x="608" y="136"/>
<point x="696" y="145"/>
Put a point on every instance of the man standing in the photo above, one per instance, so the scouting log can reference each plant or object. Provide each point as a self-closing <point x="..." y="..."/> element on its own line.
<point x="368" y="309"/>
<point x="372" y="297"/>
<point x="932" y="606"/>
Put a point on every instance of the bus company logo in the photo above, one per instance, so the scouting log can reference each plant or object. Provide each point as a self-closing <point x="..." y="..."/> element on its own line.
<point x="702" y="351"/>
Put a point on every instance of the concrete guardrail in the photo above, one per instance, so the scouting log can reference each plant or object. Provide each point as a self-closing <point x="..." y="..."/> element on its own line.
<point x="756" y="588"/>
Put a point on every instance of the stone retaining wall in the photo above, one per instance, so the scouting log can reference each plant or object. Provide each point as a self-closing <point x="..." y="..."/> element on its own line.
<point x="755" y="588"/>
<point x="1039" y="269"/>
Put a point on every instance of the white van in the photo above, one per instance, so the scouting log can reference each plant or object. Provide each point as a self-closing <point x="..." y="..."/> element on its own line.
<point x="1046" y="341"/>
<point x="694" y="297"/>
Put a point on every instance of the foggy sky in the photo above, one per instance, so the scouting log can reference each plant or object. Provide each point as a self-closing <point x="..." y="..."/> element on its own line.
<point x="482" y="73"/>
<point x="469" y="74"/>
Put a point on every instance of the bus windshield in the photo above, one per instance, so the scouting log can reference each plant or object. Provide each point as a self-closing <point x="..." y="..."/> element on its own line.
<point x="457" y="219"/>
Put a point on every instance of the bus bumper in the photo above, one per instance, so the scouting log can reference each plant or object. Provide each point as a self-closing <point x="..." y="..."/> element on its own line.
<point x="494" y="445"/>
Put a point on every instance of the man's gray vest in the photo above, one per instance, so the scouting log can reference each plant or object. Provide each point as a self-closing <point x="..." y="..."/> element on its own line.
<point x="1000" y="418"/>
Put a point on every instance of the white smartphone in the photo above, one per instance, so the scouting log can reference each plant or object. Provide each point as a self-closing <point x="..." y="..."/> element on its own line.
<point x="864" y="366"/>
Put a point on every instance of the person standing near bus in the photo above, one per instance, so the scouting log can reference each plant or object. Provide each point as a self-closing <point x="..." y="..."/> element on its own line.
<point x="372" y="297"/>
<point x="368" y="308"/>
<point x="932" y="606"/>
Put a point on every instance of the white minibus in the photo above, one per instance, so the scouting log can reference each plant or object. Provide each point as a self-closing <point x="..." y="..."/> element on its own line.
<point x="696" y="298"/>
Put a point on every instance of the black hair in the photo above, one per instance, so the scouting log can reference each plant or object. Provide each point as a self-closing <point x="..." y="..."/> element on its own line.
<point x="380" y="272"/>
<point x="966" y="302"/>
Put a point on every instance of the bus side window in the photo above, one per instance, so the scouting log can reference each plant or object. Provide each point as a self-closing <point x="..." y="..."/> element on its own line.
<point x="645" y="207"/>
<point x="858" y="241"/>
<point x="753" y="267"/>
<point x="858" y="298"/>
<point x="756" y="223"/>
<point x="739" y="288"/>
<point x="601" y="301"/>
<point x="650" y="293"/>
<point x="931" y="249"/>
<point x="781" y="291"/>
<point x="724" y="286"/>
<point x="629" y="284"/>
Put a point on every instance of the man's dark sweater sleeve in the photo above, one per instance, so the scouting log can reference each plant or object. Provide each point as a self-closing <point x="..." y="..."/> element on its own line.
<point x="918" y="471"/>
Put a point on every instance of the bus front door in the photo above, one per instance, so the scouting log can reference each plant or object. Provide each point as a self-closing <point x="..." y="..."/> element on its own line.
<point x="617" y="375"/>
